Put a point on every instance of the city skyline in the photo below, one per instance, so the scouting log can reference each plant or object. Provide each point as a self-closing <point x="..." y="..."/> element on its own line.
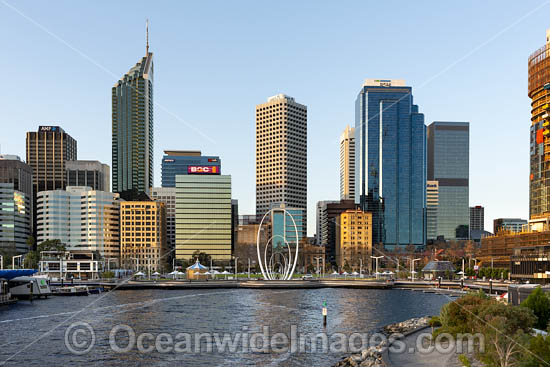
<point x="323" y="146"/>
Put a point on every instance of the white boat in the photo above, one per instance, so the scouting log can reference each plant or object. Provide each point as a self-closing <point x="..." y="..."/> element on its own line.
<point x="74" y="290"/>
<point x="25" y="287"/>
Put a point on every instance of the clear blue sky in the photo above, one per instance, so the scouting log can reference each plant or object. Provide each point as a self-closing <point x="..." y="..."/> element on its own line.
<point x="215" y="60"/>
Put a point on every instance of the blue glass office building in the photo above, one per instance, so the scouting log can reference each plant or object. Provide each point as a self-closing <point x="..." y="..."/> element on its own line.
<point x="390" y="162"/>
<point x="282" y="227"/>
<point x="178" y="162"/>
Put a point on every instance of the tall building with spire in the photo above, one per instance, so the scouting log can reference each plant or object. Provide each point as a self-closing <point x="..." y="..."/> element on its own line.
<point x="132" y="129"/>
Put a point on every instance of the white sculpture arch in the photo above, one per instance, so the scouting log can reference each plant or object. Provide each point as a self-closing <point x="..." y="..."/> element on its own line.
<point x="288" y="265"/>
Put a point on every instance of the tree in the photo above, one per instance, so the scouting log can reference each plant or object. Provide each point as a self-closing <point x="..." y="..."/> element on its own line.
<point x="539" y="351"/>
<point x="539" y="303"/>
<point x="506" y="329"/>
<point x="203" y="258"/>
<point x="33" y="257"/>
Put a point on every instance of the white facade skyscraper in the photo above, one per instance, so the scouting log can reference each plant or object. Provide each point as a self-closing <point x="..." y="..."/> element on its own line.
<point x="281" y="155"/>
<point x="347" y="164"/>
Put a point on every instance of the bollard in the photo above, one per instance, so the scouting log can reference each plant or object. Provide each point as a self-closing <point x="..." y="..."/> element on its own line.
<point x="325" y="313"/>
<point x="439" y="282"/>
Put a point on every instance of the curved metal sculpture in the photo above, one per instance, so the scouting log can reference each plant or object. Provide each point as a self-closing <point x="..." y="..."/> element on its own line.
<point x="287" y="265"/>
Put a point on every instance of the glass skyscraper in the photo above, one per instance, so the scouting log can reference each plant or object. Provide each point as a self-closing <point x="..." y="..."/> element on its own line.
<point x="132" y="132"/>
<point x="181" y="162"/>
<point x="282" y="227"/>
<point x="448" y="163"/>
<point x="390" y="159"/>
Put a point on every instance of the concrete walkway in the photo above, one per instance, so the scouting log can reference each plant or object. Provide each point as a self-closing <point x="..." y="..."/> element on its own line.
<point x="411" y="357"/>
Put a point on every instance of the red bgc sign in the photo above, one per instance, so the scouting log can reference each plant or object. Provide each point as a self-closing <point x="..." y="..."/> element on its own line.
<point x="203" y="170"/>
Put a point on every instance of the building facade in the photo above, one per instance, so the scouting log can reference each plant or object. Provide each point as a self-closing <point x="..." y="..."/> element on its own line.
<point x="477" y="218"/>
<point x="81" y="218"/>
<point x="167" y="195"/>
<point x="347" y="164"/>
<point x="203" y="216"/>
<point x="320" y="211"/>
<point x="285" y="223"/>
<point x="92" y="174"/>
<point x="143" y="235"/>
<point x="183" y="162"/>
<point x="132" y="130"/>
<point x="448" y="163"/>
<point x="48" y="149"/>
<point x="354" y="236"/>
<point x="432" y="204"/>
<point x="281" y="155"/>
<point x="15" y="219"/>
<point x="329" y="226"/>
<point x="16" y="203"/>
<point x="509" y="225"/>
<point x="539" y="93"/>
<point x="390" y="162"/>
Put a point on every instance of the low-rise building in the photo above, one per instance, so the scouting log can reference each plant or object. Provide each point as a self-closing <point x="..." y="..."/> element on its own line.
<point x="143" y="235"/>
<point x="70" y="264"/>
<point x="354" y="240"/>
<point x="531" y="263"/>
<point x="509" y="225"/>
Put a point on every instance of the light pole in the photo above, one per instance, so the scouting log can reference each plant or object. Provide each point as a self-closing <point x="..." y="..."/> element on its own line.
<point x="13" y="261"/>
<point x="491" y="263"/>
<point x="360" y="267"/>
<point x="236" y="265"/>
<point x="377" y="257"/>
<point x="137" y="262"/>
<point x="317" y="258"/>
<point x="1" y="262"/>
<point x="248" y="268"/>
<point x="412" y="269"/>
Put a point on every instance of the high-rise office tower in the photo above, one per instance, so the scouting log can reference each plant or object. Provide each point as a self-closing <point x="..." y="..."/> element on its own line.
<point x="15" y="204"/>
<point x="167" y="195"/>
<point x="81" y="218"/>
<point x="347" y="164"/>
<point x="183" y="162"/>
<point x="321" y="206"/>
<point x="132" y="131"/>
<point x="449" y="164"/>
<point x="432" y="203"/>
<point x="204" y="216"/>
<point x="390" y="159"/>
<point x="281" y="155"/>
<point x="477" y="218"/>
<point x="539" y="92"/>
<point x="48" y="149"/>
<point x="92" y="174"/>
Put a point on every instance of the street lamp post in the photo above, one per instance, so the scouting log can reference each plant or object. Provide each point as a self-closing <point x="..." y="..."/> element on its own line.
<point x="248" y="268"/>
<point x="360" y="267"/>
<point x="1" y="262"/>
<point x="236" y="265"/>
<point x="317" y="258"/>
<point x="412" y="269"/>
<point x="376" y="258"/>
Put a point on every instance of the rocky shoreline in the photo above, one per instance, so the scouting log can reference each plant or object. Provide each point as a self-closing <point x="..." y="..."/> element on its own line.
<point x="373" y="356"/>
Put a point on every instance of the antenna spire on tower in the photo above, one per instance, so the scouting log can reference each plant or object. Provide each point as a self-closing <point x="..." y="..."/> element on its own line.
<point x="147" y="33"/>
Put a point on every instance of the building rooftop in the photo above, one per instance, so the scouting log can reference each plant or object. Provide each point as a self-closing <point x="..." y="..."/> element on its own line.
<point x="184" y="153"/>
<point x="384" y="83"/>
<point x="10" y="157"/>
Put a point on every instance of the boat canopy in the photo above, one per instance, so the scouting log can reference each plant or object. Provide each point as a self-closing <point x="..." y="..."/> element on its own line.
<point x="10" y="274"/>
